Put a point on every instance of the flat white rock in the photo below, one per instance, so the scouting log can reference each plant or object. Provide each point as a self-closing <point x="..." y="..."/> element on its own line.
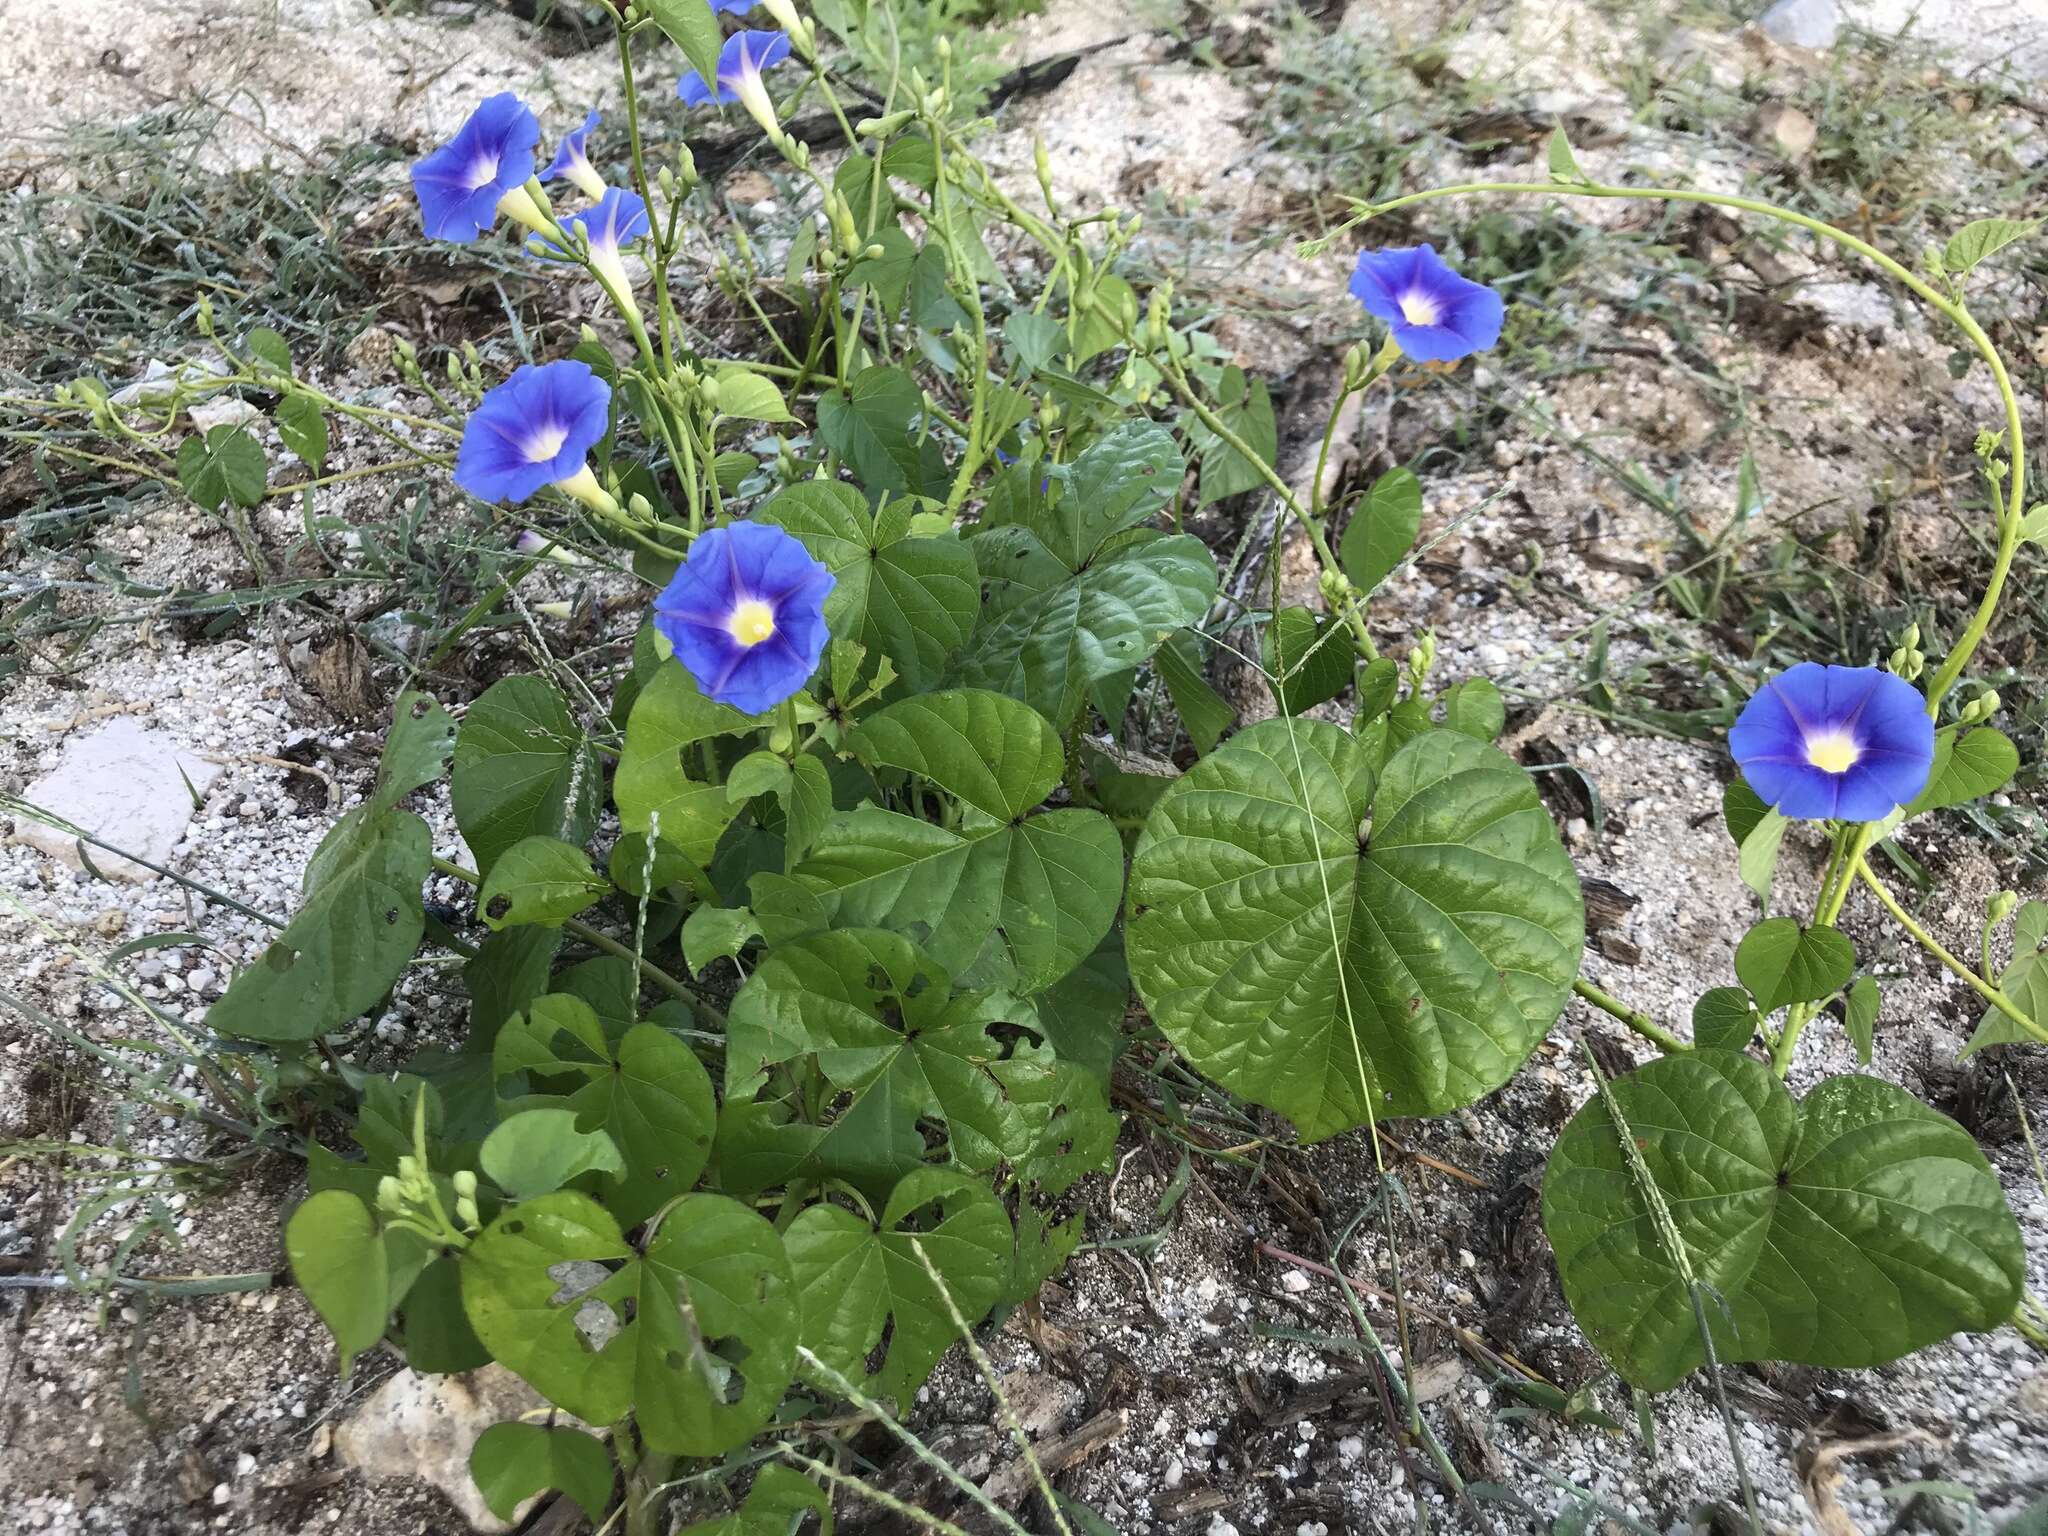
<point x="125" y="784"/>
<point x="424" y="1427"/>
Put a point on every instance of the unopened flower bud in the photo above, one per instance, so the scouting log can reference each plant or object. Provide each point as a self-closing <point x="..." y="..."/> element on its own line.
<point x="1910" y="640"/>
<point x="1357" y="367"/>
<point x="640" y="507"/>
<point x="709" y="392"/>
<point x="882" y="127"/>
<point x="389" y="1196"/>
<point x="464" y="1181"/>
<point x="686" y="166"/>
<point x="1999" y="907"/>
<point x="1042" y="162"/>
<point x="466" y="1213"/>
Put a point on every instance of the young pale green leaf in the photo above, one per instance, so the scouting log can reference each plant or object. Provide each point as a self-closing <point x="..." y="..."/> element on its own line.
<point x="1244" y="406"/>
<point x="779" y="1498"/>
<point x="746" y="396"/>
<point x="873" y="426"/>
<point x="1859" y="1016"/>
<point x="1201" y="708"/>
<point x="654" y="788"/>
<point x="1035" y="338"/>
<point x="512" y="1462"/>
<point x="417" y="750"/>
<point x="1781" y="963"/>
<point x="1382" y="529"/>
<point x="856" y="1279"/>
<point x="1302" y="973"/>
<point x="648" y="1092"/>
<point x="692" y="27"/>
<point x="1475" y="708"/>
<point x="758" y="773"/>
<point x="990" y="751"/>
<point x="227" y="464"/>
<point x="537" y="1151"/>
<point x="1967" y="767"/>
<point x="339" y="1262"/>
<point x="1741" y="810"/>
<point x="1309" y="658"/>
<point x="266" y="346"/>
<point x="523" y="768"/>
<point x="1758" y="862"/>
<point x="2024" y="983"/>
<point x="358" y="927"/>
<point x="1564" y="165"/>
<point x="1723" y="1020"/>
<point x="303" y="427"/>
<point x="643" y="866"/>
<point x="912" y="599"/>
<point x="716" y="933"/>
<point x="1982" y="238"/>
<point x="539" y="880"/>
<point x="1844" y="1231"/>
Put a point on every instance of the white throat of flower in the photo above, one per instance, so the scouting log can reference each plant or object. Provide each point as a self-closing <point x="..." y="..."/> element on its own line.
<point x="580" y="171"/>
<point x="1418" y="308"/>
<point x="751" y="621"/>
<point x="1833" y="751"/>
<point x="545" y="443"/>
<point x="483" y="171"/>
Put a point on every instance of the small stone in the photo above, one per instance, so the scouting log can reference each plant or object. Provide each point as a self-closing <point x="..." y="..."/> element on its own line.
<point x="125" y="784"/>
<point x="222" y="411"/>
<point x="1803" y="23"/>
<point x="1787" y="129"/>
<point x="1294" y="1282"/>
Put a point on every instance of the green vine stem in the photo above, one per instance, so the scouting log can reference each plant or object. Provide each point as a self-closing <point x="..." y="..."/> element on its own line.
<point x="1991" y="994"/>
<point x="1634" y="1018"/>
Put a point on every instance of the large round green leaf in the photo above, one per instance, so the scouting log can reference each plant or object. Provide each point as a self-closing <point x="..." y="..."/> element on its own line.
<point x="1845" y="1230"/>
<point x="1296" y="954"/>
<point x="524" y="767"/>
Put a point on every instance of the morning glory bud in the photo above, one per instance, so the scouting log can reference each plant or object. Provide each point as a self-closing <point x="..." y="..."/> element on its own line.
<point x="465" y="1183"/>
<point x="535" y="429"/>
<point x="746" y="615"/>
<point x="1983" y="707"/>
<point x="485" y="170"/>
<point x="1910" y="640"/>
<point x="1821" y="743"/>
<point x="466" y="1213"/>
<point x="572" y="163"/>
<point x="641" y="508"/>
<point x="389" y="1196"/>
<point x="1042" y="163"/>
<point x="786" y="18"/>
<point x="882" y="127"/>
<point x="1435" y="315"/>
<point x="1999" y="908"/>
<point x="1357" y="367"/>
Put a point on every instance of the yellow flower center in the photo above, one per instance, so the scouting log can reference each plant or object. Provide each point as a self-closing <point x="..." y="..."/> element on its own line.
<point x="752" y="621"/>
<point x="1833" y="751"/>
<point x="1418" y="309"/>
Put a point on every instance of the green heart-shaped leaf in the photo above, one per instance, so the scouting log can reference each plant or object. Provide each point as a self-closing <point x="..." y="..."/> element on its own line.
<point x="1781" y="962"/>
<point x="339" y="1263"/>
<point x="512" y="1462"/>
<point x="523" y="768"/>
<point x="1846" y="1230"/>
<point x="1297" y="958"/>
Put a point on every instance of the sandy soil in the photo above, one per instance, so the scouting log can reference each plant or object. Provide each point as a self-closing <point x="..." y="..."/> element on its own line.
<point x="216" y="1413"/>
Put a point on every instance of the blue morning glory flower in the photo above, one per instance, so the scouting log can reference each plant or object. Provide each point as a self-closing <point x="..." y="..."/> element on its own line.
<point x="740" y="64"/>
<point x="746" y="615"/>
<point x="1835" y="743"/>
<point x="572" y="162"/>
<point x="465" y="184"/>
<point x="535" y="429"/>
<point x="1436" y="315"/>
<point x="618" y="219"/>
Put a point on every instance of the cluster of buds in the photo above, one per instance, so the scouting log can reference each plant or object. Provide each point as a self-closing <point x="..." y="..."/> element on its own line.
<point x="1339" y="591"/>
<point x="1420" y="659"/>
<point x="1908" y="661"/>
<point x="1981" y="708"/>
<point x="1999" y="907"/>
<point x="409" y="1199"/>
<point x="91" y="396"/>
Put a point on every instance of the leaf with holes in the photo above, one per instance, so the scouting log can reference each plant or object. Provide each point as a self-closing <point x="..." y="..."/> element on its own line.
<point x="1004" y="898"/>
<point x="225" y="465"/>
<point x="356" y="930"/>
<point x="647" y="1091"/>
<point x="539" y="880"/>
<point x="654" y="788"/>
<point x="1845" y="1230"/>
<point x="340" y="1264"/>
<point x="910" y="599"/>
<point x="1781" y="963"/>
<point x="417" y="750"/>
<point x="856" y="1279"/>
<point x="523" y="768"/>
<point x="1077" y="592"/>
<point x="1296" y="961"/>
<point x="513" y="1462"/>
<point x="1382" y="530"/>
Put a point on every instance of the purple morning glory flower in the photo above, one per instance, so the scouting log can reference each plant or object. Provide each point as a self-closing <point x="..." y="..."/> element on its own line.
<point x="1835" y="743"/>
<point x="465" y="184"/>
<point x="535" y="429"/>
<point x="740" y="64"/>
<point x="572" y="163"/>
<point x="746" y="615"/>
<point x="1436" y="315"/>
